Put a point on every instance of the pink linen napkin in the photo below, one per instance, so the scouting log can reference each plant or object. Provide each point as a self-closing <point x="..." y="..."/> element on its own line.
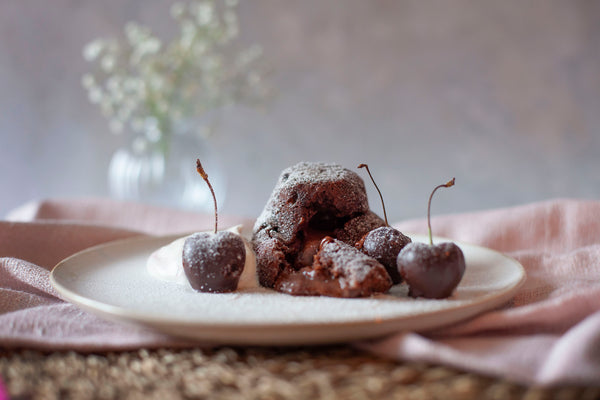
<point x="549" y="334"/>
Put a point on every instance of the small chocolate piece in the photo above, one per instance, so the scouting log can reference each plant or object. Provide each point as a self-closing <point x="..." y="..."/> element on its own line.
<point x="214" y="262"/>
<point x="339" y="270"/>
<point x="431" y="271"/>
<point x="384" y="244"/>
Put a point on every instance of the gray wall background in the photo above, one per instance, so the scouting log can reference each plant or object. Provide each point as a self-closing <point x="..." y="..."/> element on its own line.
<point x="503" y="95"/>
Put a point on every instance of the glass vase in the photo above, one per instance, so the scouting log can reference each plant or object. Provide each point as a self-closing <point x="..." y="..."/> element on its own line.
<point x="165" y="175"/>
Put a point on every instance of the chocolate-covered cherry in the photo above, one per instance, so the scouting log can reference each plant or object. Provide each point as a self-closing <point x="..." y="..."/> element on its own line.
<point x="213" y="262"/>
<point x="431" y="271"/>
<point x="383" y="243"/>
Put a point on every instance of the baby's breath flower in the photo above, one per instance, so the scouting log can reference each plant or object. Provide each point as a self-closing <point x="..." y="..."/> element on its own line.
<point x="95" y="95"/>
<point x="93" y="49"/>
<point x="135" y="33"/>
<point x="152" y="46"/>
<point x="153" y="134"/>
<point x="204" y="12"/>
<point x="146" y="47"/>
<point x="108" y="63"/>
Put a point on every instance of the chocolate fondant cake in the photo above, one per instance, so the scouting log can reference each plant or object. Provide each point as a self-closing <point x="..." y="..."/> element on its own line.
<point x="312" y="201"/>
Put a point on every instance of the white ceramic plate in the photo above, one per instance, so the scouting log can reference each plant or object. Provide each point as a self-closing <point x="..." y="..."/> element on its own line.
<point x="111" y="281"/>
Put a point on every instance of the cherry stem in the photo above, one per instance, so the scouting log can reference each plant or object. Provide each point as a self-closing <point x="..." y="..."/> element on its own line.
<point x="447" y="184"/>
<point x="378" y="191"/>
<point x="204" y="176"/>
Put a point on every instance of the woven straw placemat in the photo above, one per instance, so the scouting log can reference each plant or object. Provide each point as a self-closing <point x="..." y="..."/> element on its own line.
<point x="250" y="373"/>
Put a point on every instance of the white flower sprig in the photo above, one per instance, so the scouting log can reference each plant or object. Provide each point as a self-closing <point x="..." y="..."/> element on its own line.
<point x="145" y="86"/>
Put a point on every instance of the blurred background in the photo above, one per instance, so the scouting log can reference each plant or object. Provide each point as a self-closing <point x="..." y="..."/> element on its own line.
<point x="505" y="96"/>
